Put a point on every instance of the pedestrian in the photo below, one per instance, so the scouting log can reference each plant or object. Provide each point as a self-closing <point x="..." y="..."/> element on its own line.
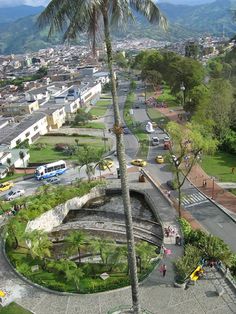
<point x="204" y="183"/>
<point x="232" y="170"/>
<point x="164" y="270"/>
<point x="168" y="194"/>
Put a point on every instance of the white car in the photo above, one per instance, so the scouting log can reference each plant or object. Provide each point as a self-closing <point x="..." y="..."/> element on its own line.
<point x="155" y="141"/>
<point x="53" y="180"/>
<point x="11" y="195"/>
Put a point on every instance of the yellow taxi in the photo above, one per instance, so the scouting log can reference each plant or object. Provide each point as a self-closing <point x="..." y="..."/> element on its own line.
<point x="159" y="159"/>
<point x="5" y="186"/>
<point x="106" y="164"/>
<point x="139" y="162"/>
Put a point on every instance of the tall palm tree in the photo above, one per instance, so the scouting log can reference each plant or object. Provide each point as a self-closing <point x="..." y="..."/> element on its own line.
<point x="76" y="241"/>
<point x="93" y="15"/>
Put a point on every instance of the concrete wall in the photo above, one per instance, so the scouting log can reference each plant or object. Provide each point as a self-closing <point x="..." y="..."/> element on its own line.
<point x="55" y="216"/>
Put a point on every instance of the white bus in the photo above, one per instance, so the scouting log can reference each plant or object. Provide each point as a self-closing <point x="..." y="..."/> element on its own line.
<point x="50" y="170"/>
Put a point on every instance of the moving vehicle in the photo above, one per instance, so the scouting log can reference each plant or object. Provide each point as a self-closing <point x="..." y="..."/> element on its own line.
<point x="106" y="164"/>
<point x="126" y="130"/>
<point x="149" y="127"/>
<point x="139" y="162"/>
<point x="50" y="170"/>
<point x="159" y="159"/>
<point x="155" y="141"/>
<point x="53" y="180"/>
<point x="6" y="186"/>
<point x="11" y="195"/>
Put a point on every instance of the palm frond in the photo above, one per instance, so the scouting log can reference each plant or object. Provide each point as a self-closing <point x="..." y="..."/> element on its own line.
<point x="150" y="11"/>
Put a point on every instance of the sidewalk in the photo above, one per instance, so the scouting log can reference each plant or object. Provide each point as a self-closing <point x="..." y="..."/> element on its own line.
<point x="197" y="175"/>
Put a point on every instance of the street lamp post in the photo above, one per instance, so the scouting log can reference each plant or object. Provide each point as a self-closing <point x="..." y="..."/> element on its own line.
<point x="182" y="88"/>
<point x="213" y="187"/>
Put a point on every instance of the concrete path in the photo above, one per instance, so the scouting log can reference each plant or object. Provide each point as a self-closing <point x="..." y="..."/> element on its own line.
<point x="157" y="293"/>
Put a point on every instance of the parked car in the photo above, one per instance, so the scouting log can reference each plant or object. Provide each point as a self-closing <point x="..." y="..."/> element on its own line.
<point x="126" y="130"/>
<point x="159" y="159"/>
<point x="11" y="195"/>
<point x="155" y="141"/>
<point x="53" y="180"/>
<point x="139" y="162"/>
<point x="106" y="164"/>
<point x="6" y="186"/>
<point x="166" y="139"/>
<point x="171" y="184"/>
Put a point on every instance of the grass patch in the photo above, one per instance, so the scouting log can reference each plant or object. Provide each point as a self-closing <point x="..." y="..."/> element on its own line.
<point x="100" y="108"/>
<point x="93" y="125"/>
<point x="14" y="308"/>
<point x="49" y="154"/>
<point x="167" y="97"/>
<point x="219" y="166"/>
<point x="11" y="177"/>
<point x="136" y="128"/>
<point x="158" y="117"/>
<point x="105" y="96"/>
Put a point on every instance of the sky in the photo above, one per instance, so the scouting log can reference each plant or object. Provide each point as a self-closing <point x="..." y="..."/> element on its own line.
<point x="7" y="3"/>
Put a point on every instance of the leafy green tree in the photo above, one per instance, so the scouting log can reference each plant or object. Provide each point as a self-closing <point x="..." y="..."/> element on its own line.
<point x="73" y="16"/>
<point x="217" y="108"/>
<point x="146" y="252"/>
<point x="75" y="242"/>
<point x="15" y="229"/>
<point x="88" y="157"/>
<point x="152" y="77"/>
<point x="215" y="68"/>
<point x="39" y="245"/>
<point x="82" y="117"/>
<point x="22" y="157"/>
<point x="188" y="143"/>
<point x="105" y="248"/>
<point x="198" y="95"/>
<point x="120" y="60"/>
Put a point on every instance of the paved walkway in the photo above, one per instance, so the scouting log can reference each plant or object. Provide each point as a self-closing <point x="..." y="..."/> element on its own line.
<point x="197" y="175"/>
<point x="157" y="294"/>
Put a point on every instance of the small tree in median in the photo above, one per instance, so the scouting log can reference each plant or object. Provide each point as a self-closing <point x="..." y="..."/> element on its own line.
<point x="188" y="143"/>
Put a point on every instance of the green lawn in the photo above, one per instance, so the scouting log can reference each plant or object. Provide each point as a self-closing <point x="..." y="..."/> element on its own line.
<point x="93" y="125"/>
<point x="100" y="108"/>
<point x="11" y="177"/>
<point x="157" y="117"/>
<point x="168" y="98"/>
<point x="14" y="308"/>
<point x="49" y="154"/>
<point x="220" y="166"/>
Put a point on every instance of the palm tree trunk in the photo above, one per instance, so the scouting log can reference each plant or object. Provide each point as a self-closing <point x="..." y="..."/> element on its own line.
<point x="179" y="194"/>
<point x="123" y="171"/>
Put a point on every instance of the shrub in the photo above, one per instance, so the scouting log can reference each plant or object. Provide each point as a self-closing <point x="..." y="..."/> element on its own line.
<point x="60" y="147"/>
<point x="186" y="264"/>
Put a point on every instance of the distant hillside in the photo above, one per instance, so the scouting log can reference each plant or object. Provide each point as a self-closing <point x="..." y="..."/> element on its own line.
<point x="185" y="21"/>
<point x="213" y="18"/>
<point x="12" y="14"/>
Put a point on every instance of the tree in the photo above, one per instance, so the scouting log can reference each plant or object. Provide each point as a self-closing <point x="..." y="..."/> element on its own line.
<point x="87" y="157"/>
<point x="39" y="244"/>
<point x="188" y="143"/>
<point x="146" y="252"/>
<point x="86" y="16"/>
<point x="22" y="157"/>
<point x="75" y="241"/>
<point x="82" y="117"/>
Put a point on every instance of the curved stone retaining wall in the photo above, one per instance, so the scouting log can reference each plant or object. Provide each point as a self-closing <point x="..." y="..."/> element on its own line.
<point x="55" y="216"/>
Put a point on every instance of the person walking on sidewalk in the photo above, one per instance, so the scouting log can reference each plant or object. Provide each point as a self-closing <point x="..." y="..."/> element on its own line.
<point x="232" y="170"/>
<point x="163" y="270"/>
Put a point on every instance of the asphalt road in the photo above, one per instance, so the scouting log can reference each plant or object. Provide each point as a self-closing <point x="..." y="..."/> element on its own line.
<point x="210" y="216"/>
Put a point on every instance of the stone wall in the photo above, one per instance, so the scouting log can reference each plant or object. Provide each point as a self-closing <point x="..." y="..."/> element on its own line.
<point x="55" y="216"/>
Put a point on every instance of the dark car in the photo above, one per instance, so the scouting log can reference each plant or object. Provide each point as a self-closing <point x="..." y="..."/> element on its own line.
<point x="126" y="131"/>
<point x="171" y="184"/>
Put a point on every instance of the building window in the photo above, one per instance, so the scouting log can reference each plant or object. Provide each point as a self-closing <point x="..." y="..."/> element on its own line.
<point x="18" y="141"/>
<point x="74" y="106"/>
<point x="36" y="128"/>
<point x="61" y="112"/>
<point x="87" y="96"/>
<point x="27" y="134"/>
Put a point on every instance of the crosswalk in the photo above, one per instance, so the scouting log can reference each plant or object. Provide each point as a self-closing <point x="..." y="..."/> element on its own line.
<point x="193" y="199"/>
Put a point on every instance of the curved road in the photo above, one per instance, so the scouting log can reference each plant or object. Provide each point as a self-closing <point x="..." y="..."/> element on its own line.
<point x="210" y="216"/>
